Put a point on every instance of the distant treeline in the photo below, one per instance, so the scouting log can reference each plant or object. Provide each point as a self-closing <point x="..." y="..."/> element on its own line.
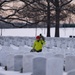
<point x="68" y="25"/>
<point x="23" y="25"/>
<point x="52" y="25"/>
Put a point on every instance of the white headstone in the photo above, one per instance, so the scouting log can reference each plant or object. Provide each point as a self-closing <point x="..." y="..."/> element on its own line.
<point x="50" y="66"/>
<point x="10" y="62"/>
<point x="54" y="66"/>
<point x="39" y="66"/>
<point x="59" y="55"/>
<point x="4" y="54"/>
<point x="18" y="62"/>
<point x="27" y="62"/>
<point x="48" y="55"/>
<point x="69" y="63"/>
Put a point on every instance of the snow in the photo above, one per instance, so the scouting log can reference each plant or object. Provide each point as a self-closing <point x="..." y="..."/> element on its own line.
<point x="21" y="41"/>
<point x="10" y="46"/>
<point x="14" y="47"/>
<point x="64" y="32"/>
<point x="3" y="72"/>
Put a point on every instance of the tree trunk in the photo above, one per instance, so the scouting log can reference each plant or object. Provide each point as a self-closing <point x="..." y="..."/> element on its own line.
<point x="48" y="19"/>
<point x="57" y="19"/>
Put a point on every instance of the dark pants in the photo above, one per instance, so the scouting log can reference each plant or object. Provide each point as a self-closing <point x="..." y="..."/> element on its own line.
<point x="33" y="50"/>
<point x="39" y="50"/>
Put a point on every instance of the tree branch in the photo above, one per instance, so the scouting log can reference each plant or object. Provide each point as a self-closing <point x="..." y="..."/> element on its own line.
<point x="65" y="3"/>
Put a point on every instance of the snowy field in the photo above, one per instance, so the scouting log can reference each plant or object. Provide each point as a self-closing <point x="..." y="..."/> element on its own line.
<point x="64" y="32"/>
<point x="16" y="42"/>
<point x="2" y="71"/>
<point x="13" y="46"/>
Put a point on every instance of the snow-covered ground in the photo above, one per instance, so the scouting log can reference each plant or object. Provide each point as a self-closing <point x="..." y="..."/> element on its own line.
<point x="3" y="72"/>
<point x="32" y="32"/>
<point x="23" y="45"/>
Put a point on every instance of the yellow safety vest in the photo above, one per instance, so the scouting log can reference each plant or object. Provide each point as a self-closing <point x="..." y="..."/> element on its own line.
<point x="38" y="45"/>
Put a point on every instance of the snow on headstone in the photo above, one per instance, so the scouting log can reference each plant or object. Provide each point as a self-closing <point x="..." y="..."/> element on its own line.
<point x="48" y="55"/>
<point x="73" y="43"/>
<point x="39" y="66"/>
<point x="72" y="72"/>
<point x="47" y="45"/>
<point x="18" y="62"/>
<point x="40" y="54"/>
<point x="6" y="43"/>
<point x="54" y="66"/>
<point x="20" y="41"/>
<point x="15" y="42"/>
<point x="59" y="55"/>
<point x="0" y="47"/>
<point x="50" y="66"/>
<point x="69" y="63"/>
<point x="3" y="54"/>
<point x="14" y="47"/>
<point x="24" y="49"/>
<point x="70" y="44"/>
<point x="44" y="54"/>
<point x="27" y="62"/>
<point x="63" y="43"/>
<point x="1" y="42"/>
<point x="4" y="59"/>
<point x="58" y="43"/>
<point x="10" y="62"/>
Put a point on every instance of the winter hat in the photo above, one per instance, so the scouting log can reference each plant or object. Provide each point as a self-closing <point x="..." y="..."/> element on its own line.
<point x="37" y="37"/>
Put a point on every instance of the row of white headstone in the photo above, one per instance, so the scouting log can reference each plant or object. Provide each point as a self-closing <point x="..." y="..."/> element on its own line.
<point x="23" y="49"/>
<point x="55" y="45"/>
<point x="50" y="42"/>
<point x="40" y="63"/>
<point x="37" y="64"/>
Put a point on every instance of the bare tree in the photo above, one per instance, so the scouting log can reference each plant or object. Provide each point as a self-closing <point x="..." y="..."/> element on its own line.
<point x="9" y="12"/>
<point x="37" y="11"/>
<point x="59" y="4"/>
<point x="34" y="12"/>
